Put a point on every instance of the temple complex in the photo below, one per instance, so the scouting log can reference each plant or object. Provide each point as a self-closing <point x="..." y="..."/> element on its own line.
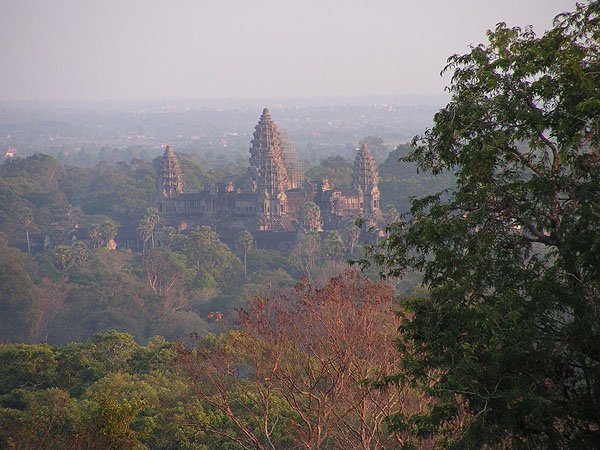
<point x="269" y="201"/>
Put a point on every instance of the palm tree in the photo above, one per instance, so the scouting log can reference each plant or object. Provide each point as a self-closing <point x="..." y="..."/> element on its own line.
<point x="26" y="219"/>
<point x="152" y="219"/>
<point x="310" y="217"/>
<point x="80" y="252"/>
<point x="108" y="231"/>
<point x="146" y="231"/>
<point x="245" y="242"/>
<point x="95" y="236"/>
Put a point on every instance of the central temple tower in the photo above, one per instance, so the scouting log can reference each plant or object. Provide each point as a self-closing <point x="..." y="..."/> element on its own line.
<point x="170" y="181"/>
<point x="365" y="179"/>
<point x="270" y="201"/>
<point x="268" y="175"/>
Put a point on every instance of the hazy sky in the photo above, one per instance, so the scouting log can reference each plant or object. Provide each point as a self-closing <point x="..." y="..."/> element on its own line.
<point x="151" y="49"/>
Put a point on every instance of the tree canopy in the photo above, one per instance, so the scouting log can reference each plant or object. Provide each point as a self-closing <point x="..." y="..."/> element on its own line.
<point x="506" y="339"/>
<point x="295" y="373"/>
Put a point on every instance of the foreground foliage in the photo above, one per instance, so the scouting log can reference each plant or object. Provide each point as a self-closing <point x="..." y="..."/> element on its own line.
<point x="506" y="342"/>
<point x="301" y="371"/>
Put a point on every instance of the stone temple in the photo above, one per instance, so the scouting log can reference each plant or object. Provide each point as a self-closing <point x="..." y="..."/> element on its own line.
<point x="270" y="200"/>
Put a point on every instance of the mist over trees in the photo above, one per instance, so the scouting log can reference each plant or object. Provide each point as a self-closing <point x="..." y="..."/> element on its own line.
<point x="213" y="133"/>
<point x="482" y="331"/>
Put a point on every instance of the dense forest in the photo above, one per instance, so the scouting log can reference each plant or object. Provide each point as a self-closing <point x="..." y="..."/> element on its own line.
<point x="114" y="348"/>
<point x="57" y="287"/>
<point x="111" y="392"/>
<point x="482" y="330"/>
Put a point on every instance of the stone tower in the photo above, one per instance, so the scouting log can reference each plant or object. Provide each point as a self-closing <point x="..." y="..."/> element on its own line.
<point x="171" y="181"/>
<point x="267" y="167"/>
<point x="365" y="179"/>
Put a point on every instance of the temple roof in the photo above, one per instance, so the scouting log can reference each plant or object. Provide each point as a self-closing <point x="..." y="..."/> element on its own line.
<point x="364" y="174"/>
<point x="171" y="177"/>
<point x="266" y="135"/>
<point x="266" y="155"/>
<point x="193" y="196"/>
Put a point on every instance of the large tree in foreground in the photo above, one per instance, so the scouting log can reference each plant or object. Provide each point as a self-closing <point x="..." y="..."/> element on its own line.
<point x="296" y="373"/>
<point x="507" y="341"/>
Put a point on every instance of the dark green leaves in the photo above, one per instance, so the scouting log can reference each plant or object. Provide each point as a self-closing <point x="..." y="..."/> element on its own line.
<point x="503" y="340"/>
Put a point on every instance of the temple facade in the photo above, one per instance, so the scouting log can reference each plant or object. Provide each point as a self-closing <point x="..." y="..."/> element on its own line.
<point x="270" y="200"/>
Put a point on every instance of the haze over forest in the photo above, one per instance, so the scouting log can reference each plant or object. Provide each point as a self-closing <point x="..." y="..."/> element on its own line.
<point x="272" y="224"/>
<point x="133" y="76"/>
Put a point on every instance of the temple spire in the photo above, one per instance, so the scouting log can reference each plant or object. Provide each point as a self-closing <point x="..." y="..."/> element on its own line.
<point x="170" y="176"/>
<point x="268" y="173"/>
<point x="366" y="179"/>
<point x="267" y="157"/>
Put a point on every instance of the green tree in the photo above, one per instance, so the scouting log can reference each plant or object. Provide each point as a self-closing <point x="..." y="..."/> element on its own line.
<point x="152" y="218"/>
<point x="164" y="270"/>
<point x="208" y="255"/>
<point x="95" y="236"/>
<point x="108" y="297"/>
<point x="65" y="258"/>
<point x="121" y="191"/>
<point x="506" y="342"/>
<point x="25" y="216"/>
<point x="17" y="294"/>
<point x="351" y="235"/>
<point x="106" y="393"/>
<point x="310" y="217"/>
<point x="115" y="403"/>
<point x="245" y="243"/>
<point x="146" y="232"/>
<point x="336" y="169"/>
<point x="108" y="231"/>
<point x="173" y="239"/>
<point x="334" y="246"/>
<point x="306" y="252"/>
<point x="80" y="252"/>
<point x="391" y="214"/>
<point x="70" y="256"/>
<point x="399" y="180"/>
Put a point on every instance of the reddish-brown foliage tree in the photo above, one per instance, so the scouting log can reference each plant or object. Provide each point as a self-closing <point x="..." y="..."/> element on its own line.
<point x="306" y="364"/>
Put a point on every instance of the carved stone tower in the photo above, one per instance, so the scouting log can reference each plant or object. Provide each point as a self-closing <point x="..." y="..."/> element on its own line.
<point x="365" y="179"/>
<point x="268" y="170"/>
<point x="171" y="181"/>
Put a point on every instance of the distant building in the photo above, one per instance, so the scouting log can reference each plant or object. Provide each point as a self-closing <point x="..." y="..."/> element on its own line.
<point x="10" y="153"/>
<point x="269" y="201"/>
